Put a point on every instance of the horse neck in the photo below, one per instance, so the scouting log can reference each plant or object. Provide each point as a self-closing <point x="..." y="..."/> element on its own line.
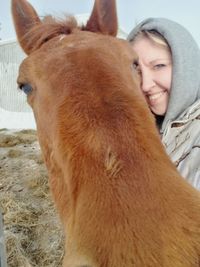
<point x="122" y="151"/>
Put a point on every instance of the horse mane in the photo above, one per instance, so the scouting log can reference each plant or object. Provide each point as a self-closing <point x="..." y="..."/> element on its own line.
<point x="49" y="28"/>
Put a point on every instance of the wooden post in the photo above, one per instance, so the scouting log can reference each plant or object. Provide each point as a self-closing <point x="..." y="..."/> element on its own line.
<point x="2" y="244"/>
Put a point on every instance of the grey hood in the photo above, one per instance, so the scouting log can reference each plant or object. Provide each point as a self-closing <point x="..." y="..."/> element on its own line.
<point x="185" y="88"/>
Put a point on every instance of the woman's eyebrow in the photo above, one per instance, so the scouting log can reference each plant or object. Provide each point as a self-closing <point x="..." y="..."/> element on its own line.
<point x="160" y="59"/>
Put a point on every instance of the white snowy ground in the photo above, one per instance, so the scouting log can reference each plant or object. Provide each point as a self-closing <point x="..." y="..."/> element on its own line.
<point x="16" y="120"/>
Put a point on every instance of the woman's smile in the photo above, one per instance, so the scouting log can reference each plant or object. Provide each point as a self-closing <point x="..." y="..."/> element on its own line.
<point x="156" y="97"/>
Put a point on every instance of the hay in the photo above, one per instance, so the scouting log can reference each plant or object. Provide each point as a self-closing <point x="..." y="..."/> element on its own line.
<point x="32" y="229"/>
<point x="22" y="137"/>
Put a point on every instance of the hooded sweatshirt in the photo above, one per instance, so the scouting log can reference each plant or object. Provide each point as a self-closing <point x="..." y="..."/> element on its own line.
<point x="180" y="127"/>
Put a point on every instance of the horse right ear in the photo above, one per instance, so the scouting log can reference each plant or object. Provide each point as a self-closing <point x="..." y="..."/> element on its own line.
<point x="25" y="17"/>
<point x="103" y="18"/>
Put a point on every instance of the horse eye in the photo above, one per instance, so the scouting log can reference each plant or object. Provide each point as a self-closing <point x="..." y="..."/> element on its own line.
<point x="26" y="88"/>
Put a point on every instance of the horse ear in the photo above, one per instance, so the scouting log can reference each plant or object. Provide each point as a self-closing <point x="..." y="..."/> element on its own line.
<point x="103" y="18"/>
<point x="25" y="17"/>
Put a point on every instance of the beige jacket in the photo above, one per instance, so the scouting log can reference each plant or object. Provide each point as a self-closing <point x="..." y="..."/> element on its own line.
<point x="182" y="141"/>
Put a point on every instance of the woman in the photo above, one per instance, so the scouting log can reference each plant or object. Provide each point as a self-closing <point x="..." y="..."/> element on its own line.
<point x="169" y="65"/>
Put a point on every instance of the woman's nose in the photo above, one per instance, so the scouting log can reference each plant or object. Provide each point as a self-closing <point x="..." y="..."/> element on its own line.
<point x="147" y="81"/>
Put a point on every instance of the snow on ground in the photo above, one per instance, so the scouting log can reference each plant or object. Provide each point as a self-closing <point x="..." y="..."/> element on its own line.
<point x="16" y="120"/>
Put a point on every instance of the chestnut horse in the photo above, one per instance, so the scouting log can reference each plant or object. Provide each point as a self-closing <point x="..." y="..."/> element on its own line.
<point x="121" y="200"/>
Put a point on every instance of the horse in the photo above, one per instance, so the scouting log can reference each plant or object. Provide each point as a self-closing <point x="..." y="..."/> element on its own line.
<point x="121" y="201"/>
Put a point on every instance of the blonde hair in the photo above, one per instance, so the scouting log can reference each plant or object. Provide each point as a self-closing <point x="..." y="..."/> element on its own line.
<point x="152" y="35"/>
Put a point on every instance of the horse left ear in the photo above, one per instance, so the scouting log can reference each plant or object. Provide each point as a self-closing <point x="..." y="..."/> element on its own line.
<point x="25" y="17"/>
<point x="103" y="18"/>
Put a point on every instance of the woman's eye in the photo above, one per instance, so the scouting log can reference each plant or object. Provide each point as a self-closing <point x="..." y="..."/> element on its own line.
<point x="26" y="88"/>
<point x="136" y="67"/>
<point x="159" y="66"/>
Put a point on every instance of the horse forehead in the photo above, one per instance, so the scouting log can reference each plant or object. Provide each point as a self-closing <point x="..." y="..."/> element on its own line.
<point x="85" y="40"/>
<point x="82" y="43"/>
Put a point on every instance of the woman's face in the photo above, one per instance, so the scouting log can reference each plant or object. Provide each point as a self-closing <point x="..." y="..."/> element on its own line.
<point x="155" y="67"/>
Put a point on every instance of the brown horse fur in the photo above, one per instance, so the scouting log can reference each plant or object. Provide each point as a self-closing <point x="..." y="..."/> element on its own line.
<point x="121" y="200"/>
